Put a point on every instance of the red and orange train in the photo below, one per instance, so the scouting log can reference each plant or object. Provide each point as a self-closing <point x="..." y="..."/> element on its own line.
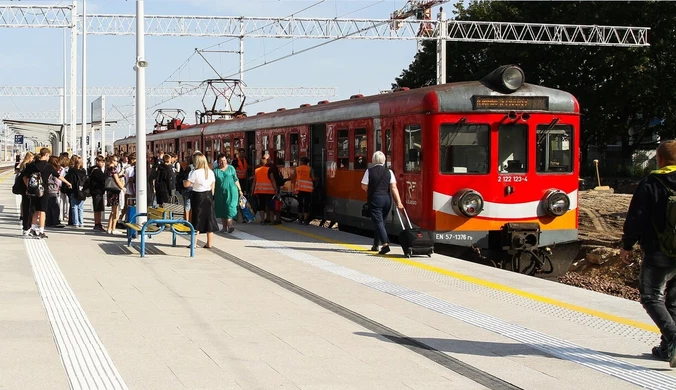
<point x="490" y="166"/>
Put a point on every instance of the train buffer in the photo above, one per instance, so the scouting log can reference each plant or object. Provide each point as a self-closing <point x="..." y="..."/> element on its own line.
<point x="298" y="307"/>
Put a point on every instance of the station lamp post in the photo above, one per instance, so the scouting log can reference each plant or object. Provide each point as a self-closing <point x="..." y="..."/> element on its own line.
<point x="141" y="159"/>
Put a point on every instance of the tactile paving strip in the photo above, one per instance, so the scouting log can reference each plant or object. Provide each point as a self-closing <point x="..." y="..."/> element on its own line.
<point x="631" y="373"/>
<point x="563" y="313"/>
<point x="87" y="363"/>
<point x="598" y="323"/>
<point x="84" y="357"/>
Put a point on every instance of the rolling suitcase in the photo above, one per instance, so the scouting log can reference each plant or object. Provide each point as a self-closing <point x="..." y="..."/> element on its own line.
<point x="414" y="241"/>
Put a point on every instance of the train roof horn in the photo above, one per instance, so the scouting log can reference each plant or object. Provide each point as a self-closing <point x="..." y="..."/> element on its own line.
<point x="506" y="79"/>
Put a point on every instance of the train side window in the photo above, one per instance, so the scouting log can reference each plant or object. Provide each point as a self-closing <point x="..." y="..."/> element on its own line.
<point x="293" y="139"/>
<point x="280" y="149"/>
<point x="554" y="148"/>
<point x="264" y="145"/>
<point x="217" y="146"/>
<point x="464" y="148"/>
<point x="378" y="138"/>
<point x="343" y="149"/>
<point x="226" y="148"/>
<point x="412" y="148"/>
<point x="207" y="150"/>
<point x="513" y="149"/>
<point x="360" y="149"/>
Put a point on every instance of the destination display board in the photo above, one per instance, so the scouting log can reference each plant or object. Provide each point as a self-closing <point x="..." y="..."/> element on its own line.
<point x="516" y="103"/>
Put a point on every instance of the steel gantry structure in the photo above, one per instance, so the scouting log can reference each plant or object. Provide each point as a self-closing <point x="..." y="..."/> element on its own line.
<point x="325" y="28"/>
<point x="53" y="16"/>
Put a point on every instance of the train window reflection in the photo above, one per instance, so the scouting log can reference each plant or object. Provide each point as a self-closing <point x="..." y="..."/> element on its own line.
<point x="412" y="148"/>
<point x="554" y="148"/>
<point x="464" y="148"/>
<point x="360" y="149"/>
<point x="280" y="149"/>
<point x="294" y="148"/>
<point x="513" y="149"/>
<point x="379" y="141"/>
<point x="343" y="149"/>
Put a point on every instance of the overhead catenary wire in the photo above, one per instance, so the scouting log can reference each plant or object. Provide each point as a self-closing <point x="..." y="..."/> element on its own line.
<point x="282" y="58"/>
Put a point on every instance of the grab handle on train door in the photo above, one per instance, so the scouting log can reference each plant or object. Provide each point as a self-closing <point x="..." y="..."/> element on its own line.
<point x="398" y="212"/>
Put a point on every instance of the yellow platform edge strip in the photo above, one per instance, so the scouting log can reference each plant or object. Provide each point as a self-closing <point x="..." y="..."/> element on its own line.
<point x="486" y="283"/>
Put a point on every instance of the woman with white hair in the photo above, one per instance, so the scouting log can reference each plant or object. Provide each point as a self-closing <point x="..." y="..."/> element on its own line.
<point x="380" y="186"/>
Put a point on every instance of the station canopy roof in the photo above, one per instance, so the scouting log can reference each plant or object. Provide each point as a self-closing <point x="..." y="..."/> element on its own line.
<point x="43" y="132"/>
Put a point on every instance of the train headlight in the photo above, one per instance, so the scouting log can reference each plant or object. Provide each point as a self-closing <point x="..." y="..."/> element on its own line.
<point x="468" y="202"/>
<point x="507" y="78"/>
<point x="556" y="202"/>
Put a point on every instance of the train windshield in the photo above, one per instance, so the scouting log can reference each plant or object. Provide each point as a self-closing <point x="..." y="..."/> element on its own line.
<point x="513" y="149"/>
<point x="464" y="148"/>
<point x="554" y="148"/>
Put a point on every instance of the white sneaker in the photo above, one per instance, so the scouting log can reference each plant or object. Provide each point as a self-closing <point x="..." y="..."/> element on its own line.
<point x="25" y="233"/>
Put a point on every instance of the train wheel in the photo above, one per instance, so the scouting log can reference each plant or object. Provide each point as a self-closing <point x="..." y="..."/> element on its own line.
<point x="289" y="208"/>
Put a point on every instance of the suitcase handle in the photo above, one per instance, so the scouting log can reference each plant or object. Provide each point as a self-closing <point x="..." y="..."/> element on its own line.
<point x="410" y="226"/>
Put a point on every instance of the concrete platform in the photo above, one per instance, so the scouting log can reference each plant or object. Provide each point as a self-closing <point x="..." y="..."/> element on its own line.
<point x="298" y="307"/>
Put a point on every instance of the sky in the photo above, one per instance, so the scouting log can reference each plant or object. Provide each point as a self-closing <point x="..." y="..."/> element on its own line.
<point x="34" y="57"/>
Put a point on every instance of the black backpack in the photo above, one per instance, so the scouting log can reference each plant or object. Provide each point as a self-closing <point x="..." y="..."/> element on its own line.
<point x="667" y="237"/>
<point x="19" y="187"/>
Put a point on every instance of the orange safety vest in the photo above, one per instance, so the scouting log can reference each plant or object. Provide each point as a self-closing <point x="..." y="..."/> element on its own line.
<point x="242" y="167"/>
<point x="263" y="184"/>
<point x="303" y="179"/>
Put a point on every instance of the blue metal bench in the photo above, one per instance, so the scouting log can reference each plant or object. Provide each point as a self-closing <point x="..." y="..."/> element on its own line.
<point x="158" y="220"/>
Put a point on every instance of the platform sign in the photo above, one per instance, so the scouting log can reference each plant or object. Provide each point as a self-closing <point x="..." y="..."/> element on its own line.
<point x="18" y="139"/>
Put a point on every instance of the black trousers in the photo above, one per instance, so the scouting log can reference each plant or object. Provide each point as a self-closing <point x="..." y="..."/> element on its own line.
<point x="27" y="215"/>
<point x="380" y="207"/>
<point x="657" y="286"/>
<point x="52" y="212"/>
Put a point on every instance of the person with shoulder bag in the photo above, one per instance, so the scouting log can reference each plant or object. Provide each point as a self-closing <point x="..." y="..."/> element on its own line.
<point x="77" y="175"/>
<point x="19" y="188"/>
<point x="380" y="186"/>
<point x="114" y="185"/>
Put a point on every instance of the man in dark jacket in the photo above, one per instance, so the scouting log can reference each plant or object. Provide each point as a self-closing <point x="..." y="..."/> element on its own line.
<point x="645" y="218"/>
<point x="97" y="188"/>
<point x="164" y="182"/>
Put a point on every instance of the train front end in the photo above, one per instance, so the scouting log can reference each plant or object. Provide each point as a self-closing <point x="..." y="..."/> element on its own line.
<point x="506" y="183"/>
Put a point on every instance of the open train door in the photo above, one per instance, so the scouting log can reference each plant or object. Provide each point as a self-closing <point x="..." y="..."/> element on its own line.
<point x="317" y="155"/>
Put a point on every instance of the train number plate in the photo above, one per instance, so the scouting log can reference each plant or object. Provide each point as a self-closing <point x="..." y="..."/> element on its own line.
<point x="512" y="179"/>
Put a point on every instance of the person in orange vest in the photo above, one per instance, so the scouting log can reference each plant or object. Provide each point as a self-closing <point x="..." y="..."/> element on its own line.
<point x="264" y="189"/>
<point x="242" y="167"/>
<point x="304" y="179"/>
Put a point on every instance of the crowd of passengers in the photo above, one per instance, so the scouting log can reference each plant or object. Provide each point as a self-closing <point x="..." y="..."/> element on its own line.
<point x="54" y="189"/>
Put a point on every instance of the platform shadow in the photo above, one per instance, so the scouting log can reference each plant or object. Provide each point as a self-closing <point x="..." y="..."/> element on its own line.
<point x="493" y="349"/>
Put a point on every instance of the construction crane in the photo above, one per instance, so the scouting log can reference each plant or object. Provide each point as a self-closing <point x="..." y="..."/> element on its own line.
<point x="422" y="10"/>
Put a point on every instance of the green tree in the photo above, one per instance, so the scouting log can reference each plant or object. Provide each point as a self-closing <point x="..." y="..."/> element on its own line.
<point x="616" y="87"/>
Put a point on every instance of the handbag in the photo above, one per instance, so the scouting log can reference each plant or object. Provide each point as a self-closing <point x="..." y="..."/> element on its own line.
<point x="111" y="185"/>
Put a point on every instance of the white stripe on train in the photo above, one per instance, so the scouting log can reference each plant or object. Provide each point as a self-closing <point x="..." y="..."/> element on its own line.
<point x="442" y="202"/>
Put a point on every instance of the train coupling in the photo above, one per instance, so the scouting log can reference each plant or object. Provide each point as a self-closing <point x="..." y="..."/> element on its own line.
<point x="518" y="237"/>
